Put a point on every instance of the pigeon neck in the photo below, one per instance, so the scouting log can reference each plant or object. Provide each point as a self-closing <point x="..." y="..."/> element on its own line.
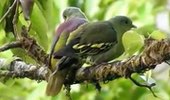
<point x="119" y="32"/>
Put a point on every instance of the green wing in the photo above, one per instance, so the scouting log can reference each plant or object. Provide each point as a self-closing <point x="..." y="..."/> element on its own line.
<point x="91" y="39"/>
<point x="96" y="38"/>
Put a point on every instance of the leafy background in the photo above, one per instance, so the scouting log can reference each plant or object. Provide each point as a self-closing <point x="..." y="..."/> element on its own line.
<point x="152" y="17"/>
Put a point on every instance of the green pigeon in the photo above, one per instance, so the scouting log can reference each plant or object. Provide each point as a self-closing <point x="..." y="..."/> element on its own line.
<point x="92" y="39"/>
<point x="98" y="38"/>
<point x="73" y="18"/>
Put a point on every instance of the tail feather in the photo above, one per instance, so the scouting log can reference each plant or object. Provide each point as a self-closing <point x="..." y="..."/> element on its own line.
<point x="55" y="82"/>
<point x="57" y="79"/>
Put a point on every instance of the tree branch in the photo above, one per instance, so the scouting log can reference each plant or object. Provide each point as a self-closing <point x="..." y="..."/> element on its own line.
<point x="30" y="45"/>
<point x="11" y="45"/>
<point x="19" y="69"/>
<point x="155" y="52"/>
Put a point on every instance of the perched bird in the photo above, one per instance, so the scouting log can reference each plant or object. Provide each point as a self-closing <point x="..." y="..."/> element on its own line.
<point x="73" y="18"/>
<point x="96" y="38"/>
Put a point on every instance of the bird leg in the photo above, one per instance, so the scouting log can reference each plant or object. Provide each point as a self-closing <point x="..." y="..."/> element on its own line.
<point x="68" y="88"/>
<point x="144" y="85"/>
<point x="97" y="85"/>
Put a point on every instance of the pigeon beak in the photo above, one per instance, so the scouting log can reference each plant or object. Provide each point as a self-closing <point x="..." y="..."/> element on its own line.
<point x="133" y="26"/>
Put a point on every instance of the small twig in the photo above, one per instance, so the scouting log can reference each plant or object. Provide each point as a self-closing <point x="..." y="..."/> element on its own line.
<point x="8" y="11"/>
<point x="143" y="85"/>
<point x="15" y="20"/>
<point x="29" y="27"/>
<point x="11" y="45"/>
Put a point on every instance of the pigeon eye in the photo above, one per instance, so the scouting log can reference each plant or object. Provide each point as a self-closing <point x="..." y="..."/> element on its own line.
<point x="126" y="22"/>
<point x="64" y="16"/>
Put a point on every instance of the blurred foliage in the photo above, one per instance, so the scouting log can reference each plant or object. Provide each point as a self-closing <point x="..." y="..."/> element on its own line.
<point x="46" y="15"/>
<point x="132" y="47"/>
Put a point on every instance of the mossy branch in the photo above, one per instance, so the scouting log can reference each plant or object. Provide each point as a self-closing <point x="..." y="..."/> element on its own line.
<point x="155" y="52"/>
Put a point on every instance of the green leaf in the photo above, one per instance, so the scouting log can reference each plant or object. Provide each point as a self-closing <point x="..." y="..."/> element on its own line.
<point x="10" y="82"/>
<point x="23" y="55"/>
<point x="132" y="42"/>
<point x="3" y="7"/>
<point x="158" y="35"/>
<point x="46" y="7"/>
<point x="40" y="26"/>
